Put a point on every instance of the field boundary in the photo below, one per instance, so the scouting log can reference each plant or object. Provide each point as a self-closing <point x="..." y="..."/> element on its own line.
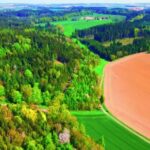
<point x="108" y="113"/>
<point x="111" y="116"/>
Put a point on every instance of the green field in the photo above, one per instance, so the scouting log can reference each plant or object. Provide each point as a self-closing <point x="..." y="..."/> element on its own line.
<point x="115" y="136"/>
<point x="100" y="68"/>
<point x="70" y="26"/>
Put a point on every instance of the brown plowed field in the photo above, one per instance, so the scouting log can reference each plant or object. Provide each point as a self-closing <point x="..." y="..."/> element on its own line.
<point x="127" y="91"/>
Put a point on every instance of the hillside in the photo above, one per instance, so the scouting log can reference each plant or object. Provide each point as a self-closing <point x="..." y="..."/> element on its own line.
<point x="31" y="127"/>
<point x="52" y="62"/>
<point x="41" y="74"/>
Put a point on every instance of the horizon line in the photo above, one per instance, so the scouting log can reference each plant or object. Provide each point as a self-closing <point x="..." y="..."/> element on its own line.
<point x="131" y="3"/>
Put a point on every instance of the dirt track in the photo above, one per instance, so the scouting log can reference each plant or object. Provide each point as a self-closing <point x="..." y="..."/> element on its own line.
<point x="127" y="91"/>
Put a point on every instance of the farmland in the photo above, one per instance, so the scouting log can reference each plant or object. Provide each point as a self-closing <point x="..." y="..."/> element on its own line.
<point x="127" y="99"/>
<point x="70" y="26"/>
<point x="100" y="126"/>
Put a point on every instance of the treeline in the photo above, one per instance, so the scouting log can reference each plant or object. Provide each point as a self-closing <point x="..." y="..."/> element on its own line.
<point x="128" y="13"/>
<point x="40" y="17"/>
<point x="116" y="49"/>
<point x="30" y="127"/>
<point x="112" y="32"/>
<point x="139" y="30"/>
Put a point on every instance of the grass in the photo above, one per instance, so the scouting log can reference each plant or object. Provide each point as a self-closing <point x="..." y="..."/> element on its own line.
<point x="98" y="125"/>
<point x="100" y="68"/>
<point x="70" y="26"/>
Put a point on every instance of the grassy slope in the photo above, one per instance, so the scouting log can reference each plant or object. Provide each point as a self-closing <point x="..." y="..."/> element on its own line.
<point x="116" y="137"/>
<point x="71" y="26"/>
<point x="100" y="68"/>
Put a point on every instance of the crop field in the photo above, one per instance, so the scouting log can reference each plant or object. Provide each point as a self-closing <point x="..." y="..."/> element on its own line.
<point x="129" y="102"/>
<point x="70" y="26"/>
<point x="115" y="137"/>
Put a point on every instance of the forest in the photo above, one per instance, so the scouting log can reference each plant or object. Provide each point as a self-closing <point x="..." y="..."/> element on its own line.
<point x="95" y="37"/>
<point x="43" y="75"/>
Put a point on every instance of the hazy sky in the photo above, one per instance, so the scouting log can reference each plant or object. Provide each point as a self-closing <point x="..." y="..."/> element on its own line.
<point x="74" y="1"/>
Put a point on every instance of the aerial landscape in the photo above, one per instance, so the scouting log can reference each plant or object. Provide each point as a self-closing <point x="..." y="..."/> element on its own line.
<point x="74" y="75"/>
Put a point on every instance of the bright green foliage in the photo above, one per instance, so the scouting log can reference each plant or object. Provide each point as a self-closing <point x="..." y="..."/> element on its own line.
<point x="28" y="73"/>
<point x="48" y="142"/>
<point x="46" y="97"/>
<point x="17" y="47"/>
<point x="100" y="68"/>
<point x="31" y="145"/>
<point x="2" y="90"/>
<point x="22" y="44"/>
<point x="16" y="96"/>
<point x="36" y="95"/>
<point x="2" y="52"/>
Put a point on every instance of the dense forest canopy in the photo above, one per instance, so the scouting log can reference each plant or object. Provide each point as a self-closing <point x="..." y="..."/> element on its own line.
<point x="33" y="128"/>
<point x="43" y="75"/>
<point x="36" y="66"/>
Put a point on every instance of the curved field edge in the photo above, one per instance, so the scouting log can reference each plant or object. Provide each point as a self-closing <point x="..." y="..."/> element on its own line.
<point x="109" y="114"/>
<point x="101" y="127"/>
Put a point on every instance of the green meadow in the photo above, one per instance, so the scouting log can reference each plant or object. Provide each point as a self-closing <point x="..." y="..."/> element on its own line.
<point x="100" y="68"/>
<point x="104" y="129"/>
<point x="70" y="26"/>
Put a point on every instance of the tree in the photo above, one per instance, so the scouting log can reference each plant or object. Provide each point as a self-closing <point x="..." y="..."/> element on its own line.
<point x="2" y="90"/>
<point x="26" y="90"/>
<point x="17" y="47"/>
<point x="60" y="28"/>
<point x="136" y="32"/>
<point x="46" y="97"/>
<point x="36" y="95"/>
<point x="48" y="142"/>
<point x="119" y="54"/>
<point x="2" y="52"/>
<point x="16" y="96"/>
<point x="31" y="145"/>
<point x="28" y="73"/>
